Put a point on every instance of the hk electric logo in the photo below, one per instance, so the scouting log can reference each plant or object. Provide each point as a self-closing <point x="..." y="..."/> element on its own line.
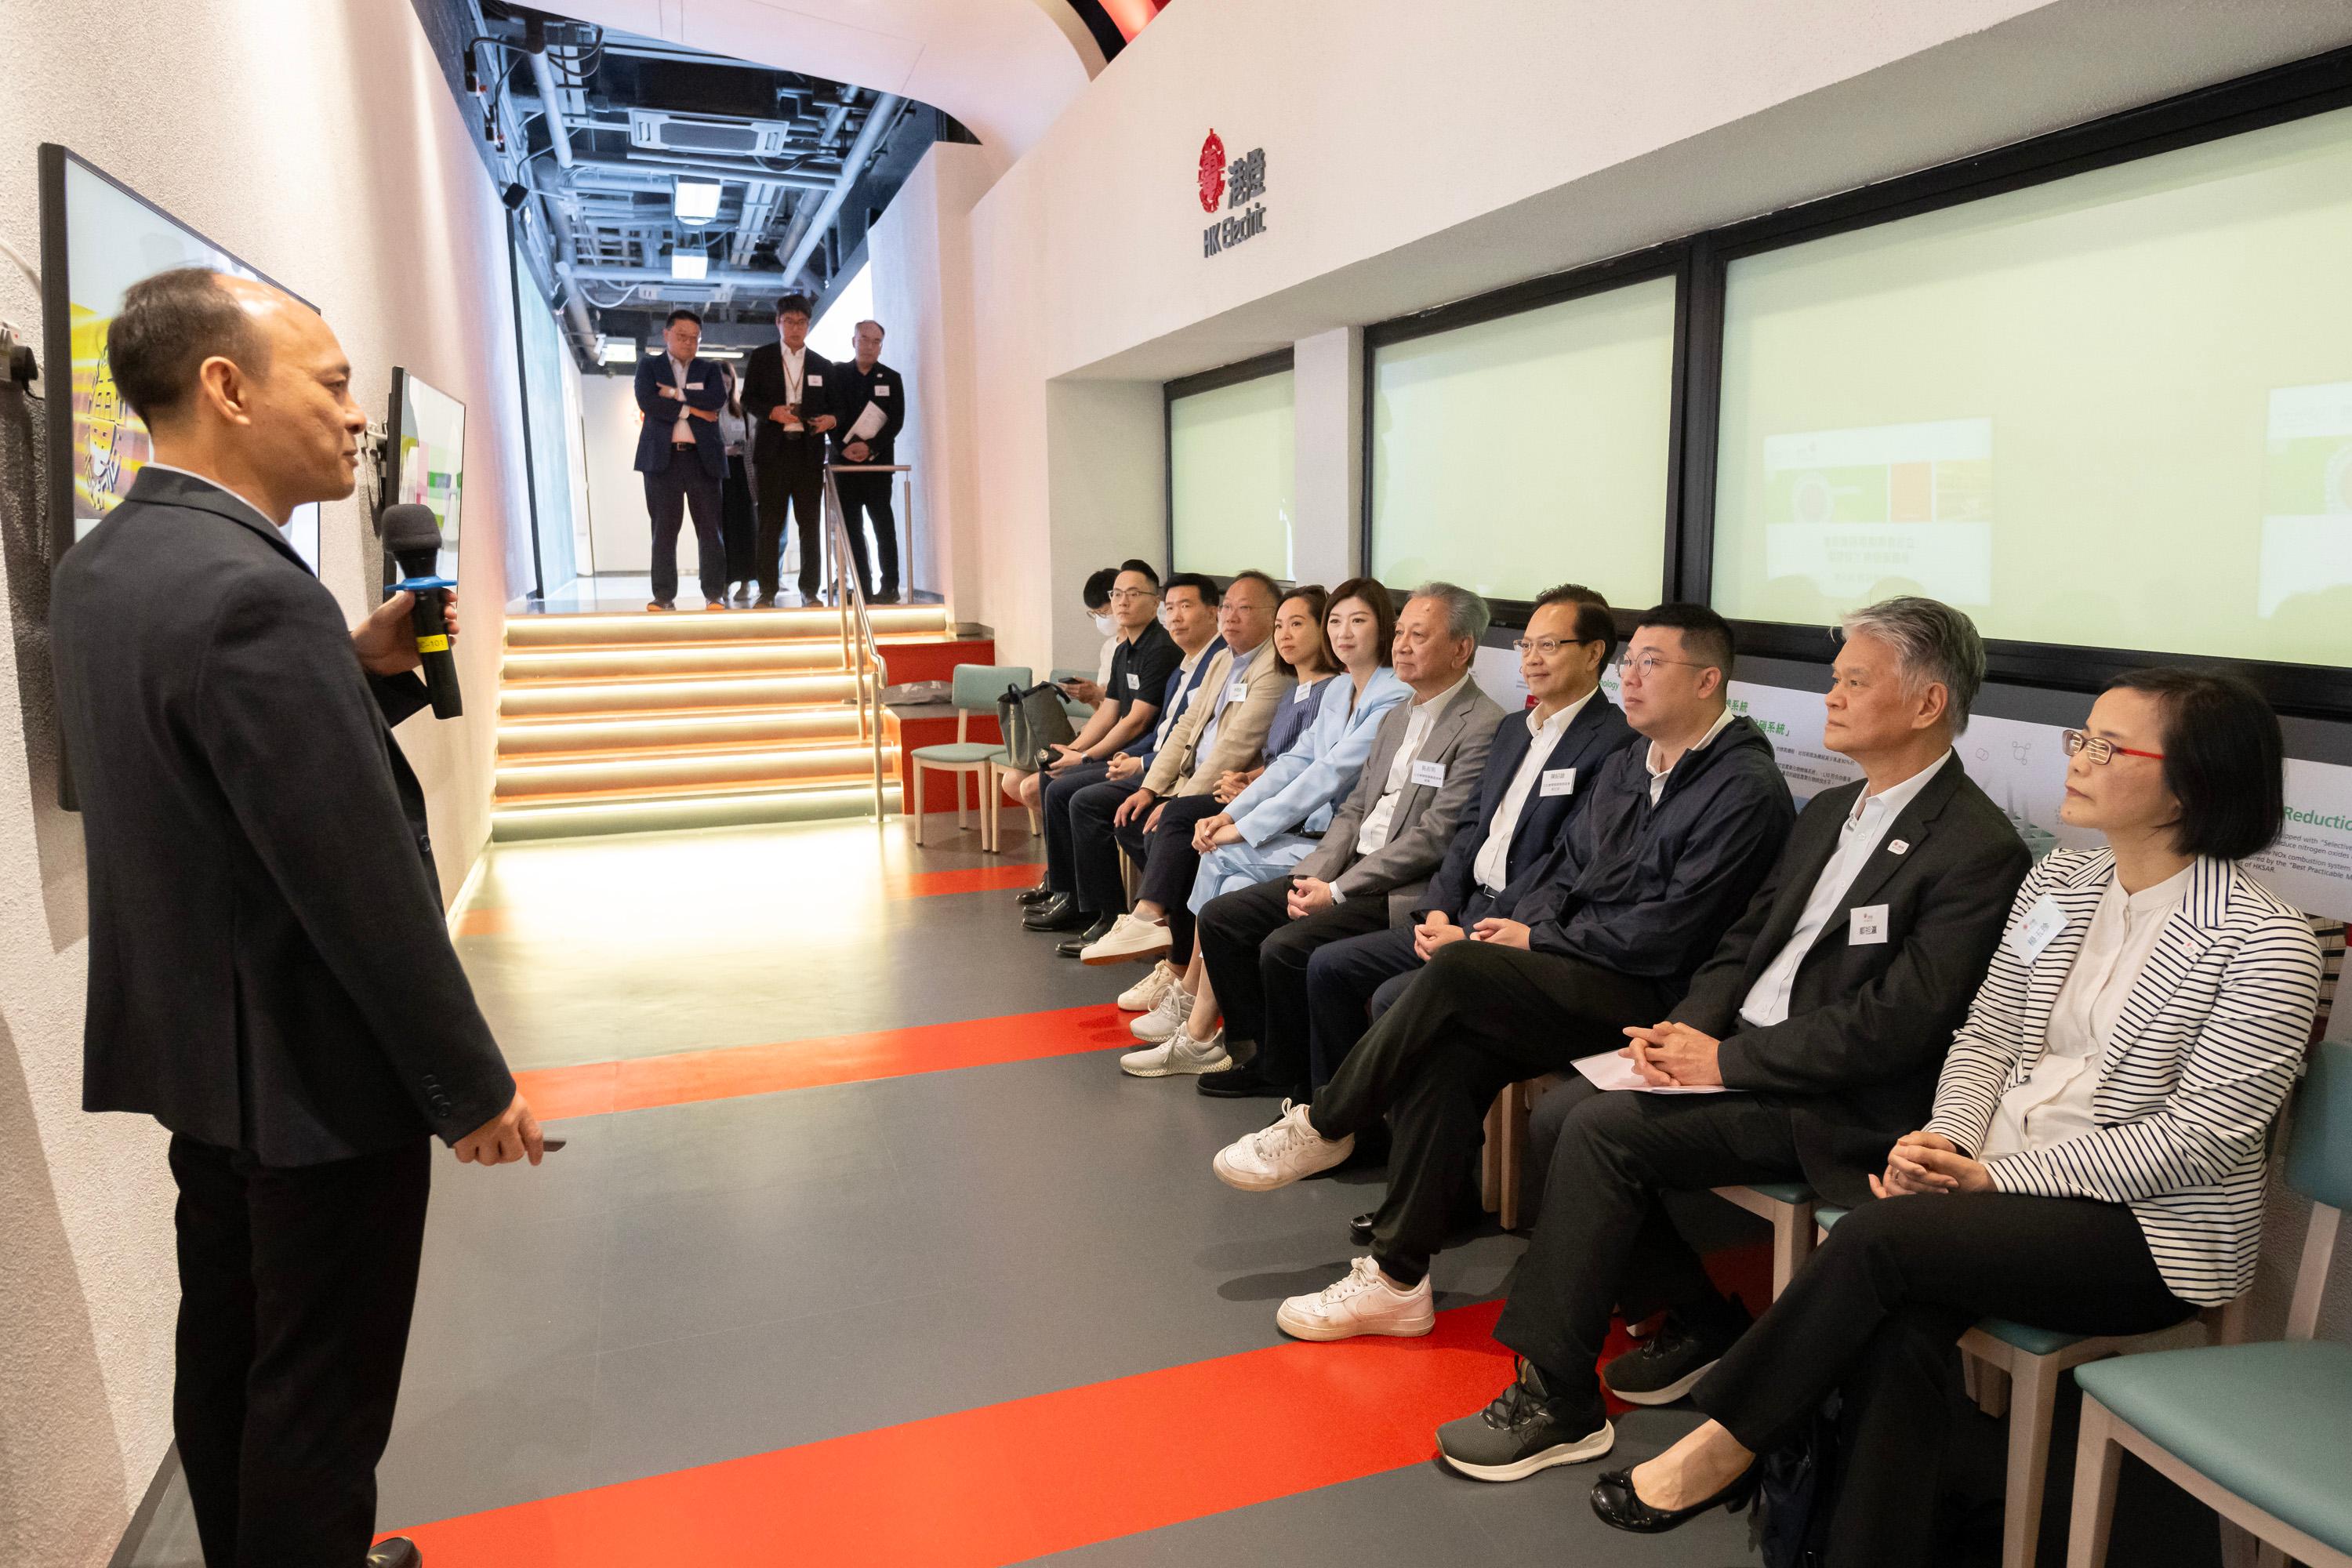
<point x="1238" y="183"/>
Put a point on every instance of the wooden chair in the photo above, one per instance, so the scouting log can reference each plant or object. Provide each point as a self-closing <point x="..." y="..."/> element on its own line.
<point x="974" y="688"/>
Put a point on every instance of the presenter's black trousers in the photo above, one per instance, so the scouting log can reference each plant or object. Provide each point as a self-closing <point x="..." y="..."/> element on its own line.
<point x="1479" y="1016"/>
<point x="740" y="522"/>
<point x="791" y="478"/>
<point x="864" y="496"/>
<point x="1257" y="956"/>
<point x="1170" y="866"/>
<point x="678" y="489"/>
<point x="1877" y="1314"/>
<point x="296" y="1286"/>
<point x="1350" y="983"/>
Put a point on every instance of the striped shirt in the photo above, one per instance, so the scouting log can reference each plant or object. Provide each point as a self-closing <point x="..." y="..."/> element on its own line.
<point x="2201" y="1058"/>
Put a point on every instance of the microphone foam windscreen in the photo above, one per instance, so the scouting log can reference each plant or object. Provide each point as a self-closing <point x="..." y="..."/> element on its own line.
<point x="409" y="526"/>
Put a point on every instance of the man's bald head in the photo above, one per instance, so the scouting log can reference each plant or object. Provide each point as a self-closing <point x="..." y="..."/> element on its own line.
<point x="171" y="323"/>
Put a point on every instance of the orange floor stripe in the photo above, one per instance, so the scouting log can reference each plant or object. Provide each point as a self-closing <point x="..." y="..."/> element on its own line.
<point x="1008" y="1482"/>
<point x="978" y="880"/>
<point x="729" y="1073"/>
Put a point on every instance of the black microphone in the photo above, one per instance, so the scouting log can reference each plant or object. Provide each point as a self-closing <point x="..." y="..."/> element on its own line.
<point x="413" y="536"/>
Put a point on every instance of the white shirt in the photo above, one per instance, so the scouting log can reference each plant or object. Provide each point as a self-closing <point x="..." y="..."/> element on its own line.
<point x="1865" y="830"/>
<point x="1184" y="695"/>
<point x="1419" y="721"/>
<point x="1102" y="665"/>
<point x="1493" y="867"/>
<point x="795" y="374"/>
<point x="2052" y="1104"/>
<point x="1658" y="776"/>
<point x="1235" y="675"/>
<point x="681" y="431"/>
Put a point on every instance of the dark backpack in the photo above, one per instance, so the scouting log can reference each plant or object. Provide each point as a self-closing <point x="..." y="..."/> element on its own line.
<point x="1789" y="1521"/>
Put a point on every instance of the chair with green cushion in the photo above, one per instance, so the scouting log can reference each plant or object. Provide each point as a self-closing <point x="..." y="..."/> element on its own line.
<point x="974" y="688"/>
<point x="1079" y="713"/>
<point x="2260" y="1433"/>
<point x="1791" y="1208"/>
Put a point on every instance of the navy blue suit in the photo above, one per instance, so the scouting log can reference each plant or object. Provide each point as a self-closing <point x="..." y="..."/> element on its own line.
<point x="1349" y="983"/>
<point x="679" y="477"/>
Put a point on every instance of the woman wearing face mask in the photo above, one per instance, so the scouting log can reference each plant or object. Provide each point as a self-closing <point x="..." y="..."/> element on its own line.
<point x="738" y="522"/>
<point x="2094" y="1161"/>
<point x="1265" y="831"/>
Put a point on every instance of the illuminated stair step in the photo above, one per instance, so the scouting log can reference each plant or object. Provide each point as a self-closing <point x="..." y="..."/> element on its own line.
<point x="768" y="766"/>
<point x="834" y="724"/>
<point x="671" y="660"/>
<point x="696" y="626"/>
<point x="533" y="699"/>
<point x="668" y="812"/>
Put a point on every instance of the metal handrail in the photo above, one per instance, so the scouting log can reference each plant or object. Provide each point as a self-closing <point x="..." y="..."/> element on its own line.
<point x="851" y="597"/>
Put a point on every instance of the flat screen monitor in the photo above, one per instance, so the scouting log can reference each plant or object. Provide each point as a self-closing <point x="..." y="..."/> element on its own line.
<point x="99" y="236"/>
<point x="425" y="457"/>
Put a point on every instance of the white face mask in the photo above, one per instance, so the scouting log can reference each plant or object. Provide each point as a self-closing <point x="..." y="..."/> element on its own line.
<point x="1105" y="624"/>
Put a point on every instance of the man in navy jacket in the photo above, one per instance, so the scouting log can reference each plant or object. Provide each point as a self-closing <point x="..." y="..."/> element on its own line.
<point x="683" y="457"/>
<point x="1528" y="795"/>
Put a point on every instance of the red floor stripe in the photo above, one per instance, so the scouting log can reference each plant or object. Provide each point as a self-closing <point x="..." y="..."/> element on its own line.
<point x="729" y="1073"/>
<point x="1008" y="1482"/>
<point x="978" y="880"/>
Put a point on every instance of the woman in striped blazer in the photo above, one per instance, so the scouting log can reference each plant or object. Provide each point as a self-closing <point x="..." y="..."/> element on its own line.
<point x="2094" y="1161"/>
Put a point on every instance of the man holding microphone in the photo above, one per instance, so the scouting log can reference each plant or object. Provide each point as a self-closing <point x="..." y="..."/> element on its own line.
<point x="270" y="973"/>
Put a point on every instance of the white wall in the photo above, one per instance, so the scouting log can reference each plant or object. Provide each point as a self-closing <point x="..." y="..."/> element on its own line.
<point x="619" y="526"/>
<point x="319" y="141"/>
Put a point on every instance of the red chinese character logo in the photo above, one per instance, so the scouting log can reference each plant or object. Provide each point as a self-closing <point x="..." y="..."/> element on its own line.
<point x="1212" y="172"/>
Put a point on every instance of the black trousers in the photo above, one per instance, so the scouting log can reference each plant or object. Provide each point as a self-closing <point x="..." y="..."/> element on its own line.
<point x="677" y="489"/>
<point x="1094" y="848"/>
<point x="1170" y="866"/>
<point x="1477" y="1018"/>
<point x="1054" y="794"/>
<point x="1257" y="956"/>
<point x="1346" y="983"/>
<point x="1605" y="1241"/>
<point x="296" y="1287"/>
<point x="739" y="522"/>
<point x="864" y="496"/>
<point x="791" y="478"/>
<point x="1876" y="1313"/>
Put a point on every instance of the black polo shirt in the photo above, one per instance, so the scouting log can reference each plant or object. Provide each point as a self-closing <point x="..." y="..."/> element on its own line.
<point x="1139" y="669"/>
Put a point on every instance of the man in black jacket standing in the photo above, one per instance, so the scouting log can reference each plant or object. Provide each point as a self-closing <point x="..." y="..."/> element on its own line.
<point x="271" y="974"/>
<point x="787" y="392"/>
<point x="1830" y="1007"/>
<point x="683" y="457"/>
<point x="867" y="382"/>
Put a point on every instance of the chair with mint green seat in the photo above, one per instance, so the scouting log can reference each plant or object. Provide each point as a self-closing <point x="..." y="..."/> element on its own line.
<point x="974" y="688"/>
<point x="1791" y="1208"/>
<point x="2262" y="1434"/>
<point x="1079" y="713"/>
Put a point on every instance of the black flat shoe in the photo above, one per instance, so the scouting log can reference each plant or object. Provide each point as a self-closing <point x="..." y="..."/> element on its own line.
<point x="1060" y="912"/>
<point x="1086" y="939"/>
<point x="1614" y="1500"/>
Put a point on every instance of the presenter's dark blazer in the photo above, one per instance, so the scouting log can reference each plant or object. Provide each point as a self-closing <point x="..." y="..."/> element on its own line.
<point x="765" y="390"/>
<point x="1869" y="1024"/>
<point x="704" y="390"/>
<point x="269" y="967"/>
<point x="1598" y="731"/>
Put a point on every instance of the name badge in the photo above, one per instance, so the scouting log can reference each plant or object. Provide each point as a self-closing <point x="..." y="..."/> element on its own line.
<point x="1900" y="847"/>
<point x="816" y="380"/>
<point x="1134" y="682"/>
<point x="1430" y="773"/>
<point x="1301" y="695"/>
<point x="881" y="392"/>
<point x="1236" y="691"/>
<point x="2041" y="926"/>
<point x="1866" y="925"/>
<point x="1558" y="780"/>
<point x="694" y="386"/>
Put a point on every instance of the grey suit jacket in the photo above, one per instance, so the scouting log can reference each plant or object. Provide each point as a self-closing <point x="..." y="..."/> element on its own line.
<point x="1426" y="815"/>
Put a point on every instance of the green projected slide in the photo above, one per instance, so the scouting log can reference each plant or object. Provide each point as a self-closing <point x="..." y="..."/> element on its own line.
<point x="1231" y="454"/>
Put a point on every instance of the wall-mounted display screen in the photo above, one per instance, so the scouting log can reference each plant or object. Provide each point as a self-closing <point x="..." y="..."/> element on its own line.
<point x="1516" y="453"/>
<point x="2113" y="410"/>
<point x="425" y="452"/>
<point x="1231" y="457"/>
<point x="98" y="238"/>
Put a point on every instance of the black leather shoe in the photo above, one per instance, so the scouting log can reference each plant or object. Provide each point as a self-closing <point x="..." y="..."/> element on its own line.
<point x="1030" y="897"/>
<point x="1086" y="938"/>
<point x="764" y="601"/>
<point x="887" y="596"/>
<point x="1244" y="1082"/>
<point x="1060" y="912"/>
<point x="1614" y="1500"/>
<point x="1360" y="1229"/>
<point x="398" y="1552"/>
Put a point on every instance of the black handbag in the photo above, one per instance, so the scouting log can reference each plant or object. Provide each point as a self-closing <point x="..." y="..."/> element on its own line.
<point x="1789" y="1521"/>
<point x="1033" y="723"/>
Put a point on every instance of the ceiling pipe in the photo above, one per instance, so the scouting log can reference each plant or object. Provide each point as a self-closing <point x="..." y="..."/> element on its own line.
<point x="551" y="104"/>
<point x="755" y="282"/>
<point x="663" y="169"/>
<point x="808" y="227"/>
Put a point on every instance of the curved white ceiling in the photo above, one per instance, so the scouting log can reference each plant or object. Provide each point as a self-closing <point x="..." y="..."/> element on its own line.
<point x="1004" y="68"/>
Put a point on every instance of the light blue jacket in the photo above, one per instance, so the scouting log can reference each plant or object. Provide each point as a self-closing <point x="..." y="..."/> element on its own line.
<point x="1299" y="788"/>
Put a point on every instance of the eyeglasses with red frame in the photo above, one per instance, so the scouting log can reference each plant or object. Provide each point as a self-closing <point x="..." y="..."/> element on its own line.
<point x="2099" y="750"/>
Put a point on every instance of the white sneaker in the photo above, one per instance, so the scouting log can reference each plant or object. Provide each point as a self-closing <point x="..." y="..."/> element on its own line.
<point x="1128" y="939"/>
<point x="1364" y="1302"/>
<point x="1145" y="994"/>
<point x="1182" y="1054"/>
<point x="1168" y="1015"/>
<point x="1278" y="1155"/>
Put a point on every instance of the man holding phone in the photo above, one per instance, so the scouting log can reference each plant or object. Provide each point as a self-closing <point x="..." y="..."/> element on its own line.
<point x="270" y="973"/>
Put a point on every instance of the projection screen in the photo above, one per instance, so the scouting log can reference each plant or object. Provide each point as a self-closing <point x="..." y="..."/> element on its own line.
<point x="1230" y="456"/>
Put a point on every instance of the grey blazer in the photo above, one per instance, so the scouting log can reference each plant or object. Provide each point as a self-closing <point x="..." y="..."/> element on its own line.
<point x="1426" y="815"/>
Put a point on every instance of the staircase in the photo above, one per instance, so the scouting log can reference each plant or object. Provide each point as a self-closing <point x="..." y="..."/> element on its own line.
<point x="629" y="723"/>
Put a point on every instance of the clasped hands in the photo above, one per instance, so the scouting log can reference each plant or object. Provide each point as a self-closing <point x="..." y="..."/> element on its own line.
<point x="1438" y="930"/>
<point x="1925" y="1162"/>
<point x="1675" y="1056"/>
<point x="1211" y="831"/>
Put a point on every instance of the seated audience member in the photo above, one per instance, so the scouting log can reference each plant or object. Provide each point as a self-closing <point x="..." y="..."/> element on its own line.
<point x="2094" y="1161"/>
<point x="1380" y="849"/>
<point x="1188" y="612"/>
<point x="1676" y="839"/>
<point x="1222" y="733"/>
<point x="1526" y="798"/>
<point x="1830" y="1005"/>
<point x="1278" y="817"/>
<point x="1020" y="781"/>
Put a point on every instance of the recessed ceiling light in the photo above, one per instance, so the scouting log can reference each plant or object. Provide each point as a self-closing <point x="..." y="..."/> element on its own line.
<point x="618" y="350"/>
<point x="697" y="201"/>
<point x="689" y="264"/>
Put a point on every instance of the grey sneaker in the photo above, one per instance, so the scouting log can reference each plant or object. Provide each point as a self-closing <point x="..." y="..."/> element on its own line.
<point x="1524" y="1431"/>
<point x="1669" y="1363"/>
<point x="1182" y="1054"/>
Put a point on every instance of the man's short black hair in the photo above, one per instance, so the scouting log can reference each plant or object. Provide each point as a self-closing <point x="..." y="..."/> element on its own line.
<point x="1273" y="588"/>
<point x="2224" y="760"/>
<point x="1146" y="567"/>
<point x="1707" y="637"/>
<point x="168" y="326"/>
<point x="681" y="314"/>
<point x="1204" y="586"/>
<point x="1097" y="593"/>
<point x="1593" y="621"/>
<point x="795" y="305"/>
